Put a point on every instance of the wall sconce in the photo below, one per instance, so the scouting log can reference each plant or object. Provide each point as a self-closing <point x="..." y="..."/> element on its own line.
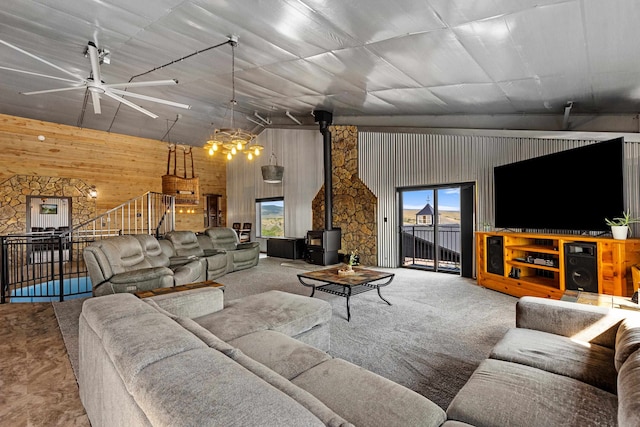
<point x="93" y="193"/>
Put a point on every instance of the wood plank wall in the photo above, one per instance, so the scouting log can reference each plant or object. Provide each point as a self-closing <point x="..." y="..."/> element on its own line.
<point x="120" y="166"/>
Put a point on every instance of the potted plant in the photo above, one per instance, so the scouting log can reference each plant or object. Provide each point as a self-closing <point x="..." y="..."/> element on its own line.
<point x="353" y="260"/>
<point x="620" y="225"/>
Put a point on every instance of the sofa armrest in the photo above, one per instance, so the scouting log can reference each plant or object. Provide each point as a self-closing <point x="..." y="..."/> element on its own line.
<point x="583" y="322"/>
<point x="142" y="275"/>
<point x="211" y="252"/>
<point x="247" y="245"/>
<point x="178" y="260"/>
<point x="192" y="303"/>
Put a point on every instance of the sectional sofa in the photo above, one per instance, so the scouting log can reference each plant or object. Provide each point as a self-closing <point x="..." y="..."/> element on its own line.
<point x="131" y="263"/>
<point x="182" y="359"/>
<point x="190" y="359"/>
<point x="565" y="364"/>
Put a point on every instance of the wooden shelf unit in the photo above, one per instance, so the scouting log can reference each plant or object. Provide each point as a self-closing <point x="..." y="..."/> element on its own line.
<point x="614" y="259"/>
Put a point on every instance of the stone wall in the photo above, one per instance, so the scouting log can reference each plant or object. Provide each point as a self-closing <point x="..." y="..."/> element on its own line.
<point x="354" y="205"/>
<point x="14" y="192"/>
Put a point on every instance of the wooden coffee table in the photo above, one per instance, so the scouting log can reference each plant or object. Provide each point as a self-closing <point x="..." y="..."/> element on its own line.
<point x="179" y="288"/>
<point x="346" y="286"/>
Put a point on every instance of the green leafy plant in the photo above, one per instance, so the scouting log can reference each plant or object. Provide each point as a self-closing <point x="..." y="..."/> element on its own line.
<point x="625" y="219"/>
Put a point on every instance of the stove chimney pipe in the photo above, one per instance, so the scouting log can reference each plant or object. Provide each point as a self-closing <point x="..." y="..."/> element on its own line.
<point x="324" y="118"/>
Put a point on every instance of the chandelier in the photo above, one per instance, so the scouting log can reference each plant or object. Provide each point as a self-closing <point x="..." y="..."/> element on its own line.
<point x="231" y="141"/>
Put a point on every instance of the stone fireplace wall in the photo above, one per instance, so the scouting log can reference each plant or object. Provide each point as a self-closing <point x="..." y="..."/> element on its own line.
<point x="354" y="205"/>
<point x="14" y="192"/>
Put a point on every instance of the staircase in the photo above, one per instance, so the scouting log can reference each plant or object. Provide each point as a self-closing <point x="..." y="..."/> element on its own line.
<point x="48" y="266"/>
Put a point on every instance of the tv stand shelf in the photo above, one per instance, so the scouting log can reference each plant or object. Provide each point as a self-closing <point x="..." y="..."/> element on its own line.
<point x="536" y="264"/>
<point x="532" y="265"/>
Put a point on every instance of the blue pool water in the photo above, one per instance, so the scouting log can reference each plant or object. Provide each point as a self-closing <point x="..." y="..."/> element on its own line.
<point x="50" y="291"/>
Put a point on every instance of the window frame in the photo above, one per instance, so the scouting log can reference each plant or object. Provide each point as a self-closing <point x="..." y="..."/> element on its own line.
<point x="258" y="205"/>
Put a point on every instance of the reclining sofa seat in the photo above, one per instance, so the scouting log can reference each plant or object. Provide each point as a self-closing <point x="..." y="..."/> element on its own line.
<point x="118" y="264"/>
<point x="191" y="272"/>
<point x="184" y="247"/>
<point x="240" y="255"/>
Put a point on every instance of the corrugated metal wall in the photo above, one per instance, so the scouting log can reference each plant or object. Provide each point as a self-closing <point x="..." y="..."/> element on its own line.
<point x="300" y="152"/>
<point x="389" y="161"/>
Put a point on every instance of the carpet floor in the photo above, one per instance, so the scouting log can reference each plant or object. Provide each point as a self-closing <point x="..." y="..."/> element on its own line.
<point x="433" y="336"/>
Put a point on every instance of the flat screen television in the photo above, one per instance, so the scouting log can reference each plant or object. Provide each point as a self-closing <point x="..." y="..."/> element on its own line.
<point x="570" y="190"/>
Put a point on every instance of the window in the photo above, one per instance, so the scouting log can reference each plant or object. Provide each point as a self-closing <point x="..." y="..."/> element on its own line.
<point x="270" y="217"/>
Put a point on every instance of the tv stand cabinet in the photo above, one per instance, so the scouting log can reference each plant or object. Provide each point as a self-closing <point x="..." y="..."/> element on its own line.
<point x="534" y="264"/>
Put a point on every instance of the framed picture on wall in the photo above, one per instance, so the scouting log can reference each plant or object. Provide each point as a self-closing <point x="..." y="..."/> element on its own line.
<point x="48" y="209"/>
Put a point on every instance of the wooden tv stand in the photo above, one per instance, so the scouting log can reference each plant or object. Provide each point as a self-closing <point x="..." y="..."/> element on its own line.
<point x="614" y="259"/>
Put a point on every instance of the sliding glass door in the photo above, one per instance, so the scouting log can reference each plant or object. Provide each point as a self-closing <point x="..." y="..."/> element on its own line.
<point x="434" y="222"/>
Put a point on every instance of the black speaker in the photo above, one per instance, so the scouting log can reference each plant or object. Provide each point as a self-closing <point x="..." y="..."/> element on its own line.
<point x="581" y="267"/>
<point x="495" y="255"/>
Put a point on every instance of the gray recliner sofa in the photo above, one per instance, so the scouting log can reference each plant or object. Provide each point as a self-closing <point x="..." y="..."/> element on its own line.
<point x="182" y="246"/>
<point x="240" y="255"/>
<point x="191" y="271"/>
<point x="118" y="264"/>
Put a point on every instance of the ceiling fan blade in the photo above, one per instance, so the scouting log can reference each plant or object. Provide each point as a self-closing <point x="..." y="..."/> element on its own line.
<point x="144" y="84"/>
<point x="62" y="89"/>
<point x="95" y="62"/>
<point x="31" y="73"/>
<point x="131" y="104"/>
<point x="95" y="99"/>
<point x="44" y="61"/>
<point x="148" y="98"/>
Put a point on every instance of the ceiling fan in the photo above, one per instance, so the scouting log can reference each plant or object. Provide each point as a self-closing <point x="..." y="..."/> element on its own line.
<point x="94" y="83"/>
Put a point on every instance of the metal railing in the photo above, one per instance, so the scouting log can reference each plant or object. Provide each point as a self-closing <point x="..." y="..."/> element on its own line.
<point x="423" y="247"/>
<point x="48" y="266"/>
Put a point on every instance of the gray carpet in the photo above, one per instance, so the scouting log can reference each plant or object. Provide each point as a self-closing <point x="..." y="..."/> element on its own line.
<point x="439" y="328"/>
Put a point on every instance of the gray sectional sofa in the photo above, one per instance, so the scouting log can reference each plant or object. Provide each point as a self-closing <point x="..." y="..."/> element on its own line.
<point x="182" y="359"/>
<point x="132" y="263"/>
<point x="189" y="359"/>
<point x="565" y="364"/>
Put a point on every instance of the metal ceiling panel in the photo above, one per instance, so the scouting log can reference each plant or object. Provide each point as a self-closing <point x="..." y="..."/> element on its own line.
<point x="457" y="12"/>
<point x="465" y="98"/>
<point x="289" y="25"/>
<point x="432" y="59"/>
<point x="490" y="44"/>
<point x="362" y="68"/>
<point x="413" y="101"/>
<point x="358" y="58"/>
<point x="310" y="76"/>
<point x="611" y="35"/>
<point x="550" y="39"/>
<point x="370" y="21"/>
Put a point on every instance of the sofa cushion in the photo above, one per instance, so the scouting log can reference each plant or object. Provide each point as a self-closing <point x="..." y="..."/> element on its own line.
<point x="281" y="353"/>
<point x="219" y="392"/>
<point x="590" y="363"/>
<point x="123" y="253"/>
<point x="185" y="243"/>
<point x="276" y="310"/>
<point x="192" y="303"/>
<point x="316" y="407"/>
<point x="140" y="337"/>
<point x="356" y="394"/>
<point x="627" y="340"/>
<point x="502" y="393"/>
<point x="223" y="238"/>
<point x="629" y="391"/>
<point x="152" y="250"/>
